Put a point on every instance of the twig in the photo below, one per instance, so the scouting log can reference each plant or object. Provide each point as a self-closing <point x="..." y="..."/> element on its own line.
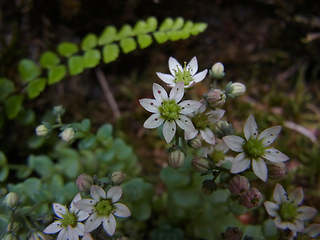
<point x="107" y="93"/>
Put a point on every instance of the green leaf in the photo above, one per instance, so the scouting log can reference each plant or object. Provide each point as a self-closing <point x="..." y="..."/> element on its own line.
<point x="13" y="105"/>
<point x="49" y="59"/>
<point x="174" y="35"/>
<point x="123" y="150"/>
<point x="56" y="74"/>
<point x="166" y="25"/>
<point x="144" y="40"/>
<point x="31" y="186"/>
<point x="269" y="229"/>
<point x="160" y="37"/>
<point x="185" y="197"/>
<point x="88" y="142"/>
<point x="178" y="23"/>
<point x="70" y="167"/>
<point x="67" y="49"/>
<point x="198" y="28"/>
<point x="141" y="210"/>
<point x="27" y="117"/>
<point x="140" y="28"/>
<point x="151" y="24"/>
<point x="104" y="134"/>
<point x="90" y="41"/>
<point x="24" y="172"/>
<point x="254" y="232"/>
<point x="28" y="70"/>
<point x="133" y="190"/>
<point x="4" y="172"/>
<point x="3" y="159"/>
<point x="174" y="178"/>
<point x="128" y="45"/>
<point x="6" y="88"/>
<point x="36" y="87"/>
<point x="110" y="53"/>
<point x="108" y="35"/>
<point x="83" y="126"/>
<point x="75" y="65"/>
<point x="4" y="221"/>
<point x="91" y="58"/>
<point x="42" y="165"/>
<point x="124" y="32"/>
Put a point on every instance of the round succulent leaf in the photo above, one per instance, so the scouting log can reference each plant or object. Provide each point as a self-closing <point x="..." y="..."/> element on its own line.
<point x="166" y="25"/>
<point x="133" y="189"/>
<point x="104" y="134"/>
<point x="123" y="151"/>
<point x="128" y="45"/>
<point x="28" y="70"/>
<point x="185" y="198"/>
<point x="89" y="41"/>
<point x="91" y="58"/>
<point x="36" y="87"/>
<point x="144" y="40"/>
<point x="75" y="64"/>
<point x="31" y="186"/>
<point x="108" y="35"/>
<point x="110" y="53"/>
<point x="23" y="172"/>
<point x="56" y="74"/>
<point x="174" y="178"/>
<point x="151" y="24"/>
<point x="49" y="59"/>
<point x="67" y="49"/>
<point x="6" y="88"/>
<point x="124" y="32"/>
<point x="13" y="105"/>
<point x="35" y="142"/>
<point x="88" y="142"/>
<point x="42" y="165"/>
<point x="140" y="27"/>
<point x="160" y="37"/>
<point x="141" y="210"/>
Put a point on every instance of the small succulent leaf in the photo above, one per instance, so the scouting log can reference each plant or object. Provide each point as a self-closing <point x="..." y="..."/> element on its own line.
<point x="128" y="45"/>
<point x="91" y="58"/>
<point x="160" y="37"/>
<point x="166" y="25"/>
<point x="144" y="40"/>
<point x="110" y="53"/>
<point x="108" y="35"/>
<point x="89" y="41"/>
<point x="151" y="24"/>
<point x="124" y="32"/>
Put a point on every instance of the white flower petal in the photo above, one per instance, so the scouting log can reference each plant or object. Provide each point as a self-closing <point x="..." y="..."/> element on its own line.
<point x="296" y="196"/>
<point x="274" y="155"/>
<point x="200" y="76"/>
<point x="72" y="207"/>
<point x="121" y="210"/>
<point x="193" y="65"/>
<point x="79" y="229"/>
<point x="208" y="136"/>
<point x="234" y="142"/>
<point x="215" y="115"/>
<point x="174" y="65"/>
<point x="313" y="230"/>
<point x="260" y="169"/>
<point x="177" y="92"/>
<point x="269" y="135"/>
<point x="279" y="194"/>
<point x="92" y="223"/>
<point x="190" y="135"/>
<point x="63" y="234"/>
<point x="159" y="93"/>
<point x="53" y="228"/>
<point x="72" y="234"/>
<point x="114" y="194"/>
<point x="83" y="215"/>
<point x="185" y="123"/>
<point x="97" y="192"/>
<point x="150" y="105"/>
<point x="167" y="78"/>
<point x="59" y="209"/>
<point x="189" y="106"/>
<point x="306" y="213"/>
<point x="169" y="130"/>
<point x="296" y="226"/>
<point x="87" y="237"/>
<point x="109" y="224"/>
<point x="271" y="208"/>
<point x="240" y="163"/>
<point x="250" y="128"/>
<point x="86" y="205"/>
<point x="280" y="224"/>
<point x="153" y="121"/>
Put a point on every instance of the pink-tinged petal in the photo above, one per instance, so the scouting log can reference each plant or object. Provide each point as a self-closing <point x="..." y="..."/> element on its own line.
<point x="240" y="163"/>
<point x="189" y="106"/>
<point x="167" y="78"/>
<point x="153" y="121"/>
<point x="150" y="105"/>
<point x="53" y="228"/>
<point x="193" y="65"/>
<point x="279" y="194"/>
<point x="260" y="169"/>
<point x="121" y="210"/>
<point x="235" y="143"/>
<point x="159" y="93"/>
<point x="190" y="135"/>
<point x="177" y="92"/>
<point x="185" y="123"/>
<point x="82" y="215"/>
<point x="72" y="207"/>
<point x="271" y="208"/>
<point x="215" y="115"/>
<point x="200" y="76"/>
<point x="97" y="193"/>
<point x="269" y="135"/>
<point x="313" y="230"/>
<point x="72" y="234"/>
<point x="86" y="205"/>
<point x="169" y="130"/>
<point x="250" y="128"/>
<point x="92" y="223"/>
<point x="63" y="234"/>
<point x="280" y="224"/>
<point x="59" y="209"/>
<point x="306" y="213"/>
<point x="79" y="229"/>
<point x="296" y="196"/>
<point x="174" y="65"/>
<point x="274" y="155"/>
<point x="208" y="136"/>
<point x="114" y="194"/>
<point x="296" y="226"/>
<point x="109" y="224"/>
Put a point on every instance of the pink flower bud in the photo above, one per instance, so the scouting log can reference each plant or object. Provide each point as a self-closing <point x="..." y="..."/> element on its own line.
<point x="251" y="198"/>
<point x="239" y="184"/>
<point x="216" y="98"/>
<point x="84" y="182"/>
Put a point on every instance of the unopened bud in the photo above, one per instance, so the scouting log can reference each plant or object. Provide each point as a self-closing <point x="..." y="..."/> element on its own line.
<point x="195" y="143"/>
<point x="201" y="164"/>
<point x="42" y="130"/>
<point x="216" y="98"/>
<point x="68" y="134"/>
<point x="217" y="70"/>
<point x="237" y="89"/>
<point x="232" y="233"/>
<point x="208" y="186"/>
<point x="84" y="182"/>
<point x="176" y="158"/>
<point x="117" y="177"/>
<point x="58" y="110"/>
<point x="39" y="236"/>
<point x="276" y="170"/>
<point x="11" y="199"/>
<point x="251" y="198"/>
<point x="239" y="184"/>
<point x="223" y="128"/>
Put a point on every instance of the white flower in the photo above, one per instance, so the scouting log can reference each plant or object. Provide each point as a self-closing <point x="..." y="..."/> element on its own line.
<point x="69" y="221"/>
<point x="254" y="149"/>
<point x="168" y="112"/>
<point x="102" y="208"/>
<point x="201" y="121"/>
<point x="217" y="153"/>
<point x="287" y="211"/>
<point x="186" y="74"/>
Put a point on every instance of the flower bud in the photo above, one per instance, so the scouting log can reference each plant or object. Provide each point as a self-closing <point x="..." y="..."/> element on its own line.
<point x="117" y="177"/>
<point x="232" y="233"/>
<point x="201" y="164"/>
<point x="11" y="199"/>
<point x="208" y="186"/>
<point x="195" y="143"/>
<point x="251" y="198"/>
<point x="84" y="182"/>
<point x="276" y="170"/>
<point x="58" y="110"/>
<point x="176" y="158"/>
<point x="238" y="89"/>
<point x="39" y="236"/>
<point x="68" y="134"/>
<point x="239" y="184"/>
<point x="217" y="70"/>
<point x="42" y="130"/>
<point x="223" y="128"/>
<point x="216" y="98"/>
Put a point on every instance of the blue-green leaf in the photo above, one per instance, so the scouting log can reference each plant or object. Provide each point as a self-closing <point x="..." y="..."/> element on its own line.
<point x="42" y="165"/>
<point x="13" y="105"/>
<point x="108" y="35"/>
<point x="28" y="70"/>
<point x="128" y="45"/>
<point x="67" y="49"/>
<point x="6" y="88"/>
<point x="49" y="59"/>
<point x="90" y="41"/>
<point x="75" y="64"/>
<point x="56" y="74"/>
<point x="144" y="40"/>
<point x="110" y="52"/>
<point x="91" y="58"/>
<point x="36" y="87"/>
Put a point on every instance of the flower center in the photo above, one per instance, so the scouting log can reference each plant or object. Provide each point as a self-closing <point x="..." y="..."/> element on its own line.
<point x="200" y="121"/>
<point x="69" y="219"/>
<point x="104" y="208"/>
<point x="217" y="156"/>
<point x="254" y="148"/>
<point x="288" y="211"/>
<point x="183" y="76"/>
<point x="169" y="110"/>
